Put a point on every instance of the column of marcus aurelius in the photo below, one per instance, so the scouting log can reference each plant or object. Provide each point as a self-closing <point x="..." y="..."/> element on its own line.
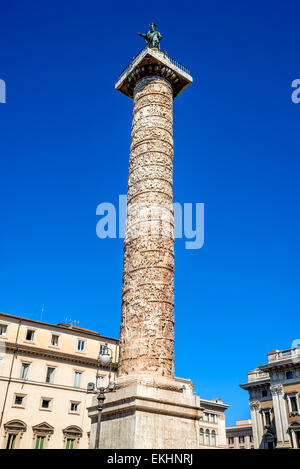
<point x="148" y="408"/>
<point x="147" y="325"/>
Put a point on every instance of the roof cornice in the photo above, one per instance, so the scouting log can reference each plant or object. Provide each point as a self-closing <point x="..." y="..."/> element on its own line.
<point x="53" y="354"/>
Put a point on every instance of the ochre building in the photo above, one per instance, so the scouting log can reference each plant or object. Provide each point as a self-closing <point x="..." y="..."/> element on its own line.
<point x="44" y="373"/>
<point x="240" y="435"/>
<point x="274" y="400"/>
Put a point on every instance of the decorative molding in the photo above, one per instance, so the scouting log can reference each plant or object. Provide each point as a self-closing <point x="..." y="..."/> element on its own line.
<point x="16" y="427"/>
<point x="72" y="432"/>
<point x="43" y="429"/>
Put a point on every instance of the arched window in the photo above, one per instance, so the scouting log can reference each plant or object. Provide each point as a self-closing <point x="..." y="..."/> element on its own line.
<point x="14" y="430"/>
<point x="207" y="438"/>
<point x="41" y="435"/>
<point x="213" y="438"/>
<point x="72" y="437"/>
<point x="201" y="438"/>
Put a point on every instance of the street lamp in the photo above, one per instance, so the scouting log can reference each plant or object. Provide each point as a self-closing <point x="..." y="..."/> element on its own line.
<point x="105" y="358"/>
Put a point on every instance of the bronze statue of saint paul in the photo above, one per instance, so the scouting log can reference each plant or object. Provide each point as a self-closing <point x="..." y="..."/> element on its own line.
<point x="152" y="37"/>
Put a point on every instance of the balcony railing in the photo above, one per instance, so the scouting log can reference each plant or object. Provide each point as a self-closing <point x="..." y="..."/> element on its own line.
<point x="177" y="64"/>
<point x="257" y="375"/>
<point x="166" y="56"/>
<point x="277" y="355"/>
<point x="129" y="65"/>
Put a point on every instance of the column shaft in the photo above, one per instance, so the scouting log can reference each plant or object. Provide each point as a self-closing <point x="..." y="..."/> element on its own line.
<point x="147" y="323"/>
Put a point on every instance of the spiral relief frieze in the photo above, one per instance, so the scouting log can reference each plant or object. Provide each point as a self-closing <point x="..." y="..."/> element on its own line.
<point x="147" y="323"/>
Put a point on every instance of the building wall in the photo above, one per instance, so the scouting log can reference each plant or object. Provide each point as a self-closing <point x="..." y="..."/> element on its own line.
<point x="240" y="436"/>
<point x="271" y="388"/>
<point x="212" y="424"/>
<point x="65" y="359"/>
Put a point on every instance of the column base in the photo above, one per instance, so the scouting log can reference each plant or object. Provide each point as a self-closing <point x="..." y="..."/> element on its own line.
<point x="146" y="416"/>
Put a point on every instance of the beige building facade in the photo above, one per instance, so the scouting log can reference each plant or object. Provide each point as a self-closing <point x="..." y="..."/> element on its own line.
<point x="240" y="435"/>
<point x="212" y="433"/>
<point x="274" y="400"/>
<point x="44" y="373"/>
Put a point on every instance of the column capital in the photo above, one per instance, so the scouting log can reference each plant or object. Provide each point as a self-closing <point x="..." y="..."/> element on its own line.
<point x="276" y="389"/>
<point x="154" y="62"/>
<point x="254" y="405"/>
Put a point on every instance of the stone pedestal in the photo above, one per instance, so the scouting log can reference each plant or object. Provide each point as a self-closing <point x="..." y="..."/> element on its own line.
<point x="140" y="416"/>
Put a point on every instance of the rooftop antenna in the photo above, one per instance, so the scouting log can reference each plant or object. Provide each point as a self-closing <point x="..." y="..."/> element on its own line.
<point x="42" y="310"/>
<point x="72" y="322"/>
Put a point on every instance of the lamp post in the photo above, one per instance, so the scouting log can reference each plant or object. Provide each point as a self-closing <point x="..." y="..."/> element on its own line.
<point x="100" y="400"/>
<point x="105" y="358"/>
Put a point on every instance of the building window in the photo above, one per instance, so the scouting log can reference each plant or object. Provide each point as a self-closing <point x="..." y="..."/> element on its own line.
<point x="14" y="432"/>
<point x="70" y="443"/>
<point x="206" y="416"/>
<point x="289" y="375"/>
<point x="72" y="437"/>
<point x="266" y="413"/>
<point x="264" y="393"/>
<point x="3" y="330"/>
<point x="213" y="438"/>
<point x="11" y="441"/>
<point x="19" y="400"/>
<point x="24" y="370"/>
<point x="50" y="374"/>
<point x="42" y="434"/>
<point x="212" y="418"/>
<point x="77" y="378"/>
<point x="80" y="345"/>
<point x="54" y="340"/>
<point x="267" y="418"/>
<point x="241" y="439"/>
<point x="39" y="442"/>
<point x="46" y="404"/>
<point x="201" y="438"/>
<point x="74" y="407"/>
<point x="29" y="335"/>
<point x="231" y="440"/>
<point x="207" y="438"/>
<point x="294" y="406"/>
<point x="292" y="399"/>
<point x="251" y="438"/>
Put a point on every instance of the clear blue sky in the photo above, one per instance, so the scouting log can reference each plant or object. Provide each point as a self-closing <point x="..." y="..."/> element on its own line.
<point x="64" y="143"/>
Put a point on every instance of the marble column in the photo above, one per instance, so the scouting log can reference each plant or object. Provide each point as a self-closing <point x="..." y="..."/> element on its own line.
<point x="257" y="426"/>
<point x="281" y="421"/>
<point x="148" y="408"/>
<point x="147" y="322"/>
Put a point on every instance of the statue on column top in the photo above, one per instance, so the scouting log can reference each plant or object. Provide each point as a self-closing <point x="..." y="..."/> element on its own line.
<point x="152" y="37"/>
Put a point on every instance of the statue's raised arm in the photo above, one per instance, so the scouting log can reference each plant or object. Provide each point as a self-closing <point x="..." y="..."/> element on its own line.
<point x="152" y="37"/>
